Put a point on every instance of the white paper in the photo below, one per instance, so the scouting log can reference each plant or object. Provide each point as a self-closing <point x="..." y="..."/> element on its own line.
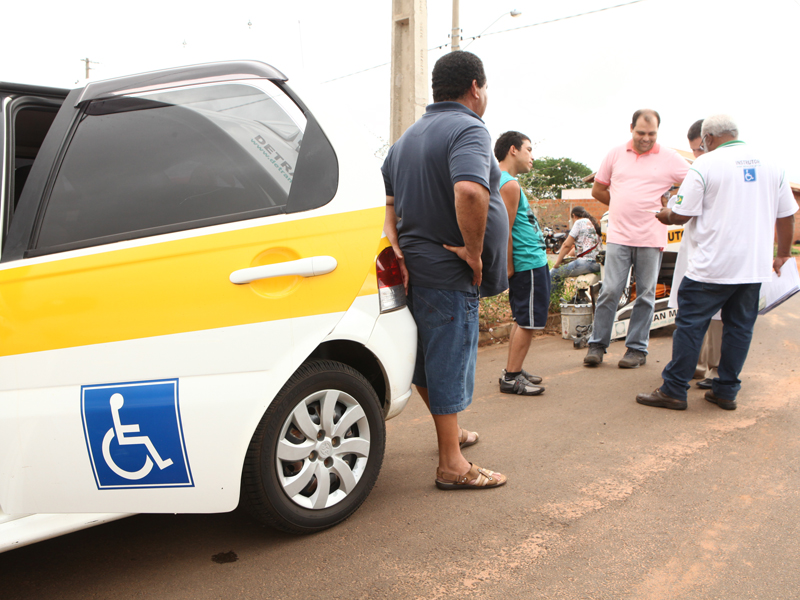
<point x="779" y="289"/>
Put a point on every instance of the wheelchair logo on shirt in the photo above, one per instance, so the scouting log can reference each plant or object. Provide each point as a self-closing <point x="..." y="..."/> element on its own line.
<point x="134" y="435"/>
<point x="749" y="175"/>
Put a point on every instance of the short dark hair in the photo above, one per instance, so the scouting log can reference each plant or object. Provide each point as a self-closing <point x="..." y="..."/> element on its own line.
<point x="505" y="141"/>
<point x="648" y="114"/>
<point x="454" y="73"/>
<point x="694" y="130"/>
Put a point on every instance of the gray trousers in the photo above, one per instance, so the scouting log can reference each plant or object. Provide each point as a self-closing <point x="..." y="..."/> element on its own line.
<point x="646" y="263"/>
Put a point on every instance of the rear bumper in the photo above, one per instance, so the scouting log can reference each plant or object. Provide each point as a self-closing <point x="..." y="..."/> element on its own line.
<point x="394" y="342"/>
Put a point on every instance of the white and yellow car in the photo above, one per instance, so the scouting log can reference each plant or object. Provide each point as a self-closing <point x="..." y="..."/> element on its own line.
<point x="197" y="306"/>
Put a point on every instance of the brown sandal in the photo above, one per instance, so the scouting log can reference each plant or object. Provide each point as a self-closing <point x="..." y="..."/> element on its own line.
<point x="463" y="438"/>
<point x="475" y="479"/>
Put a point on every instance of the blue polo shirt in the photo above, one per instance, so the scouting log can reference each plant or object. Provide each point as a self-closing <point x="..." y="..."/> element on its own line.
<point x="450" y="143"/>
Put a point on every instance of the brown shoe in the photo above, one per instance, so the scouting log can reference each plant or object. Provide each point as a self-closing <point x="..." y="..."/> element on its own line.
<point x="657" y="398"/>
<point x="721" y="402"/>
<point x="476" y="478"/>
<point x="633" y="359"/>
<point x="467" y="438"/>
<point x="595" y="355"/>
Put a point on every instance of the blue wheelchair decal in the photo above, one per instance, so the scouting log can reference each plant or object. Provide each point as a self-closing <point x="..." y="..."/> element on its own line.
<point x="749" y="175"/>
<point x="134" y="435"/>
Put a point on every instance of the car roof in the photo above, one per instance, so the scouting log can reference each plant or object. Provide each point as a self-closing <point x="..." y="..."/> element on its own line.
<point x="22" y="89"/>
<point x="204" y="73"/>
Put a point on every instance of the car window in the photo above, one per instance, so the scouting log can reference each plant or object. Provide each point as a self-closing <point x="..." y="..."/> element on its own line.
<point x="31" y="121"/>
<point x="171" y="160"/>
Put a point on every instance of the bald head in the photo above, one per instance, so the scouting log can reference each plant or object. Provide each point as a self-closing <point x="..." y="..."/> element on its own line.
<point x="648" y="114"/>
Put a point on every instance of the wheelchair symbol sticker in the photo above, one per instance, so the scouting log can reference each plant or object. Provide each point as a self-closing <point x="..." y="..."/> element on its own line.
<point x="749" y="175"/>
<point x="134" y="435"/>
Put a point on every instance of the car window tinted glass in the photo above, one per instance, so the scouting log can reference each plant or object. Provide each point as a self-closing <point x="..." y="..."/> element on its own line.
<point x="173" y="160"/>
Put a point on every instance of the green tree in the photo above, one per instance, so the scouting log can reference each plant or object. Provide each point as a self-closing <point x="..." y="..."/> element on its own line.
<point x="550" y="175"/>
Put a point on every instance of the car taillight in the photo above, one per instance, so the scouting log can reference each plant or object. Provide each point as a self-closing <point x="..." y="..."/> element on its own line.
<point x="391" y="292"/>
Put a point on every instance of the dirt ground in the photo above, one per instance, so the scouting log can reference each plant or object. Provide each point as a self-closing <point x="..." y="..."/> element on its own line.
<point x="606" y="499"/>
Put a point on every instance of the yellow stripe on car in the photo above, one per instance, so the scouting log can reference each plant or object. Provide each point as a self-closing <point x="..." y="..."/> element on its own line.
<point x="168" y="287"/>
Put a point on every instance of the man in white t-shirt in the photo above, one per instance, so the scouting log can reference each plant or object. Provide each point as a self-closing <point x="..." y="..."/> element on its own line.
<point x="708" y="361"/>
<point x="737" y="198"/>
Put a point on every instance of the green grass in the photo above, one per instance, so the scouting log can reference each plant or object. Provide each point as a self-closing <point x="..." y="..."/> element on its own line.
<point x="494" y="311"/>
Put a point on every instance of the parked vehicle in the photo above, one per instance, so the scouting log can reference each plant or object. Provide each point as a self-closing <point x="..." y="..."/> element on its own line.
<point x="198" y="305"/>
<point x="553" y="240"/>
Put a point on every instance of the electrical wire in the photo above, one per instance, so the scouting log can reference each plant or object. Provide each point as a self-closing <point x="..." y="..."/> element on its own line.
<point x="475" y="37"/>
<point x="362" y="71"/>
<point x="590" y="12"/>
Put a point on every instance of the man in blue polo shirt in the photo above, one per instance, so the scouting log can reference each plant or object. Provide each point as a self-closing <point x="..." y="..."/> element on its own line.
<point x="449" y="230"/>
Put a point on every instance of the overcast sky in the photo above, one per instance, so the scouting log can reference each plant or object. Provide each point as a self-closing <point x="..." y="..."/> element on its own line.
<point x="571" y="85"/>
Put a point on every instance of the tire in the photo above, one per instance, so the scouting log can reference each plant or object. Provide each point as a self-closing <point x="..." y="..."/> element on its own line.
<point x="292" y="452"/>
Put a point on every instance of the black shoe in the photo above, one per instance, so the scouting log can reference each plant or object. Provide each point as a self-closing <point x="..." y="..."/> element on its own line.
<point x="633" y="359"/>
<point x="722" y="403"/>
<point x="657" y="398"/>
<point x="519" y="385"/>
<point x="704" y="384"/>
<point x="594" y="356"/>
<point x="534" y="379"/>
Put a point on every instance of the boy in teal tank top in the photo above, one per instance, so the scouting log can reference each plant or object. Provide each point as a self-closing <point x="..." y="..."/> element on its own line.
<point x="528" y="273"/>
<point x="527" y="237"/>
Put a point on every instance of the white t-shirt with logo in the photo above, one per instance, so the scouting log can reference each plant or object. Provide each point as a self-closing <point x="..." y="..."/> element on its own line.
<point x="734" y="194"/>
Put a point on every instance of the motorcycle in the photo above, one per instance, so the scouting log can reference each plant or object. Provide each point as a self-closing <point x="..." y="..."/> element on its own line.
<point x="553" y="240"/>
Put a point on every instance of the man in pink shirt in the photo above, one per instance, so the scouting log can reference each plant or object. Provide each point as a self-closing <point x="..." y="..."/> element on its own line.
<point x="631" y="181"/>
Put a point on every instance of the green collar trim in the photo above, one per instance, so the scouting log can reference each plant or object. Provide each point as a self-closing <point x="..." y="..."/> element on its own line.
<point x="731" y="143"/>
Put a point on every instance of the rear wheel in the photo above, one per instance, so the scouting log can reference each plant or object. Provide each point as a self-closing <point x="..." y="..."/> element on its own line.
<point x="317" y="452"/>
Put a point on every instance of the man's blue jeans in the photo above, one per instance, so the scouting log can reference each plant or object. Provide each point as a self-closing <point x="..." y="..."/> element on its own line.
<point x="646" y="263"/>
<point x="447" y="346"/>
<point x="697" y="303"/>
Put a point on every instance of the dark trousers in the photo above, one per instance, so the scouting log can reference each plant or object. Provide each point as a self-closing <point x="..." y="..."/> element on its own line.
<point x="697" y="303"/>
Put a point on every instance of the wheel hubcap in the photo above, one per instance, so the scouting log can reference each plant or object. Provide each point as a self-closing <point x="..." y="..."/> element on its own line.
<point x="323" y="449"/>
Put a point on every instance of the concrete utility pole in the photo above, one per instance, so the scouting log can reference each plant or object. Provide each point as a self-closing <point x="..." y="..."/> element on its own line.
<point x="455" y="34"/>
<point x="409" y="64"/>
<point x="88" y="68"/>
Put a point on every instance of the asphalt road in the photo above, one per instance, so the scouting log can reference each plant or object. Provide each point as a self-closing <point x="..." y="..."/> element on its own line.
<point x="606" y="499"/>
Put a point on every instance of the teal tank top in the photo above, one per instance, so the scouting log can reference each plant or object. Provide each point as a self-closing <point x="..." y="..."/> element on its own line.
<point x="528" y="240"/>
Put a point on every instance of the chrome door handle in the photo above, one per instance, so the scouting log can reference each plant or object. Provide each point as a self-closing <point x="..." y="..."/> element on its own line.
<point x="304" y="267"/>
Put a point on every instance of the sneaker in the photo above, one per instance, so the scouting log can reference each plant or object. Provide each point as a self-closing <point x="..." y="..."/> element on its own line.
<point x="633" y="359"/>
<point x="519" y="385"/>
<point x="534" y="379"/>
<point x="594" y="356"/>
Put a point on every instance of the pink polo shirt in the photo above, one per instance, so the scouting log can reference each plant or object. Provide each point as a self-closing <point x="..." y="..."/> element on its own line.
<point x="636" y="183"/>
